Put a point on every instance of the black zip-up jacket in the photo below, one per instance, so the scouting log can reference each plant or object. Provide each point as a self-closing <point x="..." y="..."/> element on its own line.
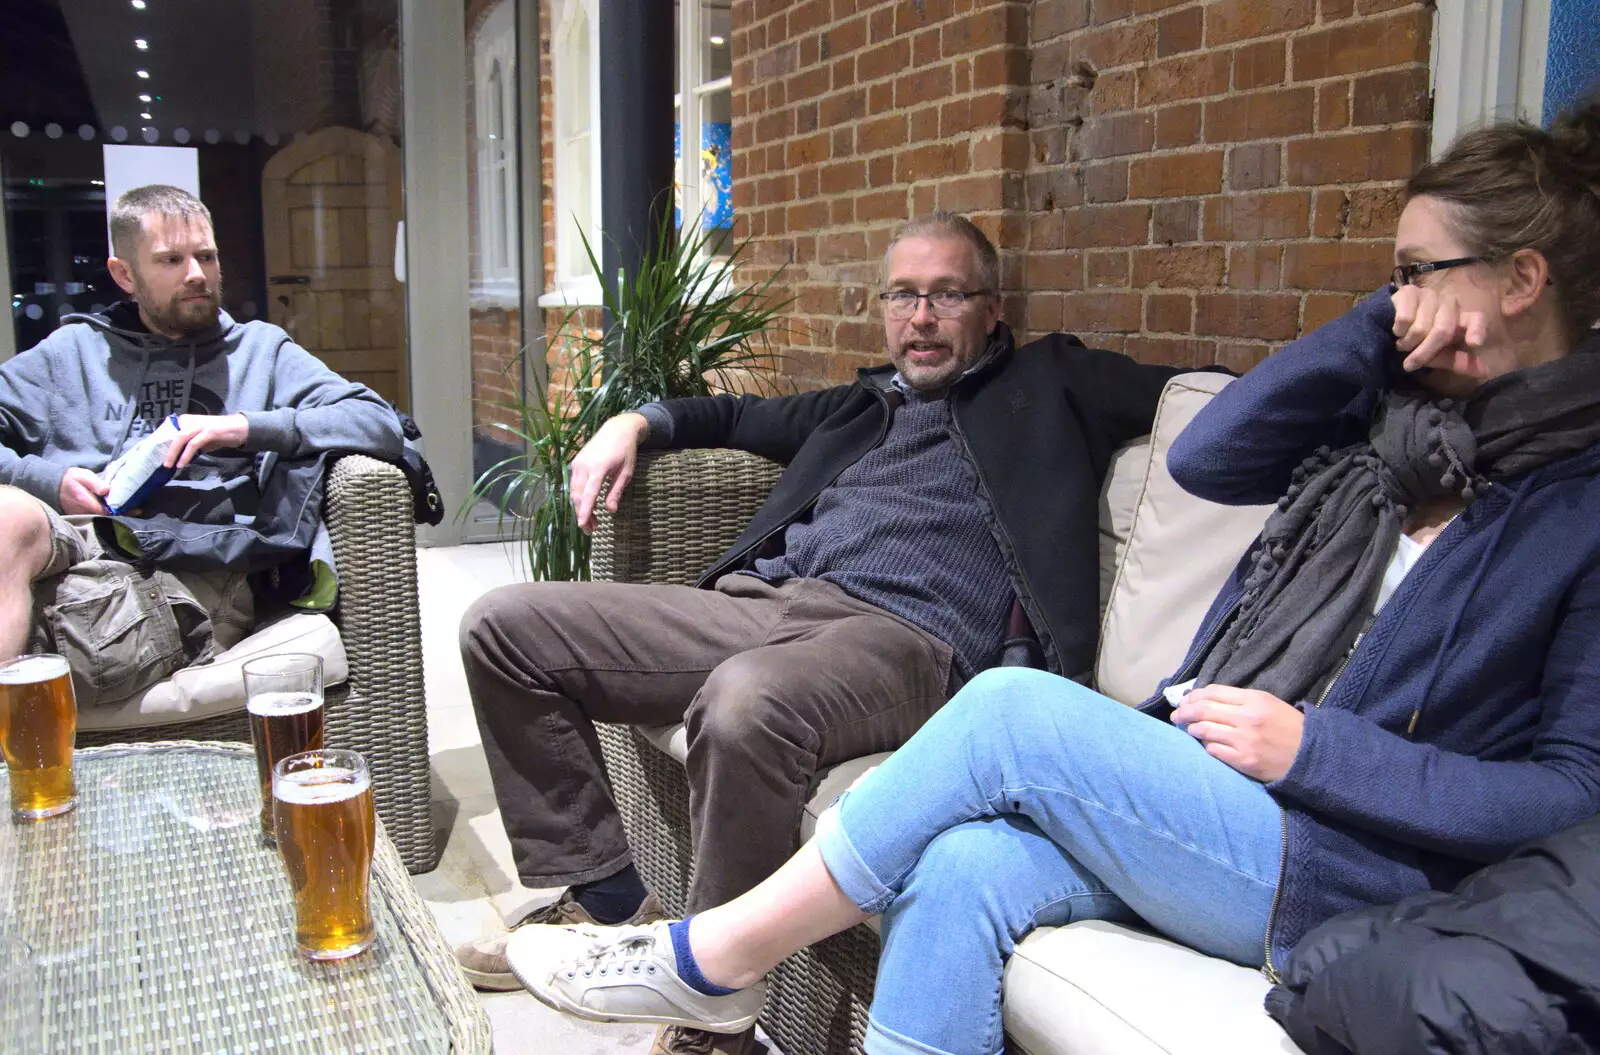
<point x="1040" y="423"/>
<point x="1507" y="962"/>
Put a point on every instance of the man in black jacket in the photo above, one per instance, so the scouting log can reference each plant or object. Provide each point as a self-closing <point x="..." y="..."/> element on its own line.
<point x="917" y="504"/>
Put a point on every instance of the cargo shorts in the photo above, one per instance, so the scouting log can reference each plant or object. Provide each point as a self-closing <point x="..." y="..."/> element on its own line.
<point x="123" y="627"/>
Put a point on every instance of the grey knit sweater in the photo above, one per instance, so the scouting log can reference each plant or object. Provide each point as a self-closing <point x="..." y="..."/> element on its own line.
<point x="904" y="529"/>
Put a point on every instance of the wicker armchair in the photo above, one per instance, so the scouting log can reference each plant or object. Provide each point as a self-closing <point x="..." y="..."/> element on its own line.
<point x="683" y="509"/>
<point x="380" y="711"/>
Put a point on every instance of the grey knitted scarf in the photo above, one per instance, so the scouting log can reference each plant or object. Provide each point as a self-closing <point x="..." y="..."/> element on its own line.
<point x="1324" y="550"/>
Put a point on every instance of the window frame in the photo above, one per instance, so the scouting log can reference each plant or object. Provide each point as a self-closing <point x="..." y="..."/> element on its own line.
<point x="692" y="42"/>
<point x="497" y="275"/>
<point x="1487" y="63"/>
<point x="574" y="282"/>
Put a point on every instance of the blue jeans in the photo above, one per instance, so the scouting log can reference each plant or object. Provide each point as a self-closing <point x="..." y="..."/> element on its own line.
<point x="1032" y="801"/>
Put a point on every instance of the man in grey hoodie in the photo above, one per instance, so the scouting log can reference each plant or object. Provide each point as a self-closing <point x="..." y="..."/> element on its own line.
<point x="244" y="394"/>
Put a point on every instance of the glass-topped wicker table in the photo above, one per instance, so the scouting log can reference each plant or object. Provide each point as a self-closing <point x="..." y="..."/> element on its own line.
<point x="162" y="923"/>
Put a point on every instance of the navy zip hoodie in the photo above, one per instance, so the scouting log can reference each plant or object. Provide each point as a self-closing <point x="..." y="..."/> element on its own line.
<point x="1467" y="721"/>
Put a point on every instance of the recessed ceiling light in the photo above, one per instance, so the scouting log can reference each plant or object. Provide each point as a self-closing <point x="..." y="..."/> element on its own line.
<point x="146" y="116"/>
<point x="144" y="98"/>
<point x="98" y="182"/>
<point x="718" y="41"/>
<point x="143" y="75"/>
<point x="138" y="5"/>
<point x="142" y="44"/>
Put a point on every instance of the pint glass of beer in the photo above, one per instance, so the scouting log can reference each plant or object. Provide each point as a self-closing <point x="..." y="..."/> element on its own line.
<point x="322" y="812"/>
<point x="283" y="695"/>
<point x="38" y="723"/>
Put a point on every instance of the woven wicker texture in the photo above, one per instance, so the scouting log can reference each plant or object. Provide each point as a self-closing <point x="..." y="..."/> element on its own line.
<point x="161" y="923"/>
<point x="235" y="726"/>
<point x="369" y="515"/>
<point x="381" y="712"/>
<point x="682" y="511"/>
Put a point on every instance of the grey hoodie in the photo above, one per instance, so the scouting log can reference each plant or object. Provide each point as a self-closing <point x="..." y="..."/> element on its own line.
<point x="100" y="383"/>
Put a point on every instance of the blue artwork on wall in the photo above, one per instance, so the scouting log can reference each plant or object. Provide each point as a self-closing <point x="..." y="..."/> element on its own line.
<point x="1573" y="66"/>
<point x="716" y="174"/>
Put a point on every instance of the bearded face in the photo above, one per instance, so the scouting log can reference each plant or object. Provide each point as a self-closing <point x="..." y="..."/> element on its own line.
<point x="930" y="348"/>
<point x="175" y="276"/>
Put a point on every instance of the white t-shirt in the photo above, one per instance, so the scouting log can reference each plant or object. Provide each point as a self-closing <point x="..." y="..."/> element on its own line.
<point x="1405" y="558"/>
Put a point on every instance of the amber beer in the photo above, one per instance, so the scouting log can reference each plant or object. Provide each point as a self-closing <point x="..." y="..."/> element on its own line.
<point x="281" y="724"/>
<point x="38" y="723"/>
<point x="322" y="812"/>
<point x="283" y="697"/>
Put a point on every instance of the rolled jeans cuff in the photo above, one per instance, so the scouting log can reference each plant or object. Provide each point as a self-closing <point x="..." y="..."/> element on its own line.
<point x="859" y="883"/>
<point x="881" y="1040"/>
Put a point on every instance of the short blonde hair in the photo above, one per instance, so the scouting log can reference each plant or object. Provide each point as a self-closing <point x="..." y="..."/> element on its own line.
<point x="131" y="207"/>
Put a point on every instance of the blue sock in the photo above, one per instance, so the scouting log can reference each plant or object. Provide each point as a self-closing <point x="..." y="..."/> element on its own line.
<point x="688" y="970"/>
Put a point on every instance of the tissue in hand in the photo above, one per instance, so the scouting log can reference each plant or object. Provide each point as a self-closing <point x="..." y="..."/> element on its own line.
<point x="138" y="474"/>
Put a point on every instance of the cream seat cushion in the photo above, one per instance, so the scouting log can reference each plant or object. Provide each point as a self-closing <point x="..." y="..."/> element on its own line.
<point x="1099" y="987"/>
<point x="216" y="687"/>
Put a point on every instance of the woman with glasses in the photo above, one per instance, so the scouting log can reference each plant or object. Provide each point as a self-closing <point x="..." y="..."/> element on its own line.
<point x="1400" y="683"/>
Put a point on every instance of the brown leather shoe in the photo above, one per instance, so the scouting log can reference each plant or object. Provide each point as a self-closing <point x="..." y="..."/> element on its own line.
<point x="484" y="961"/>
<point x="681" y="1040"/>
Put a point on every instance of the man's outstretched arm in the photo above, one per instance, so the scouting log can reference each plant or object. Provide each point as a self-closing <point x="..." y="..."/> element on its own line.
<point x="317" y="410"/>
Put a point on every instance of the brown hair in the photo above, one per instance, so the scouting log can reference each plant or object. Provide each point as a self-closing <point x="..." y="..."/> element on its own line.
<point x="952" y="225"/>
<point x="1517" y="186"/>
<point x="131" y="207"/>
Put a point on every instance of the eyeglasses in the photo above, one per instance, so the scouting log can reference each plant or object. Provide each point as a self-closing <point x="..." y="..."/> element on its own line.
<point x="946" y="303"/>
<point x="1406" y="274"/>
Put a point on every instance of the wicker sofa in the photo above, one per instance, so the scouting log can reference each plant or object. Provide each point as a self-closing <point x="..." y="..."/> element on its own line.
<point x="1087" y="987"/>
<point x="379" y="708"/>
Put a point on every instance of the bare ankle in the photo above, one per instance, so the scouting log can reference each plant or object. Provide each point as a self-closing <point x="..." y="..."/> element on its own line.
<point x="718" y="956"/>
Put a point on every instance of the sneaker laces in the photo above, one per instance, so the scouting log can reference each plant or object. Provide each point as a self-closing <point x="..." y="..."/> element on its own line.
<point x="617" y="954"/>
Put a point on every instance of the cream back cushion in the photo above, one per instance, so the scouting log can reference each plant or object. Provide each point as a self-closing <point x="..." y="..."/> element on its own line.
<point x="1176" y="553"/>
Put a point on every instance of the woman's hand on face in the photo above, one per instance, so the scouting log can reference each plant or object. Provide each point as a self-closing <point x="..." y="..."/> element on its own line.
<point x="1254" y="732"/>
<point x="1435" y="333"/>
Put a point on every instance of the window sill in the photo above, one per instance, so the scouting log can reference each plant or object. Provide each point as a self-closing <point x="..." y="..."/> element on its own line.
<point x="581" y="293"/>
<point x="503" y="294"/>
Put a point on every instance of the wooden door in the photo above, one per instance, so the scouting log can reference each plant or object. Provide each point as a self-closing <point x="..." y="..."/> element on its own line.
<point x="330" y="202"/>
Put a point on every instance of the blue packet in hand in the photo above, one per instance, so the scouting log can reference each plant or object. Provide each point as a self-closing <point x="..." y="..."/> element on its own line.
<point x="139" y="473"/>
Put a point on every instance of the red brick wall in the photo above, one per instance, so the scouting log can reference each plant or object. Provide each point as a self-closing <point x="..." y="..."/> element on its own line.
<point x="850" y="116"/>
<point x="1209" y="179"/>
<point x="1188" y="182"/>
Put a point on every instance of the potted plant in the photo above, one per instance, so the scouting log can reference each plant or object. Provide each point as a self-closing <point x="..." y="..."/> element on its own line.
<point x="682" y="326"/>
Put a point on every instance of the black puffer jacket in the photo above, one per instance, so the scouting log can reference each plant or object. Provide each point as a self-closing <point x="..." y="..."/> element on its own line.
<point x="1040" y="423"/>
<point x="1508" y="964"/>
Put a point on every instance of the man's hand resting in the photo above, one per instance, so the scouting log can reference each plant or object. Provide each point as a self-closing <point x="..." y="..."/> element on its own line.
<point x="1254" y="732"/>
<point x="81" y="491"/>
<point x="205" y="432"/>
<point x="611" y="454"/>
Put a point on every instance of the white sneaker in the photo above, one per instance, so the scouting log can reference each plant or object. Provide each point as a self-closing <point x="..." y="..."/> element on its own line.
<point x="627" y="974"/>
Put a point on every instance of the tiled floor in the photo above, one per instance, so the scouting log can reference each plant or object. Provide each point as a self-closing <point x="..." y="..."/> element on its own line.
<point x="475" y="888"/>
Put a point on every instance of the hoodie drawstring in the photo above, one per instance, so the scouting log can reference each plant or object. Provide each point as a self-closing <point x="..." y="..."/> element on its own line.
<point x="133" y="401"/>
<point x="188" y="381"/>
<point x="1449" y="638"/>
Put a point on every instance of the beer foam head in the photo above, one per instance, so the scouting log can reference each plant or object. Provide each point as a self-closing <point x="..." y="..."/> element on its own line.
<point x="26" y="670"/>
<point x="312" y="787"/>
<point x="282" y="704"/>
